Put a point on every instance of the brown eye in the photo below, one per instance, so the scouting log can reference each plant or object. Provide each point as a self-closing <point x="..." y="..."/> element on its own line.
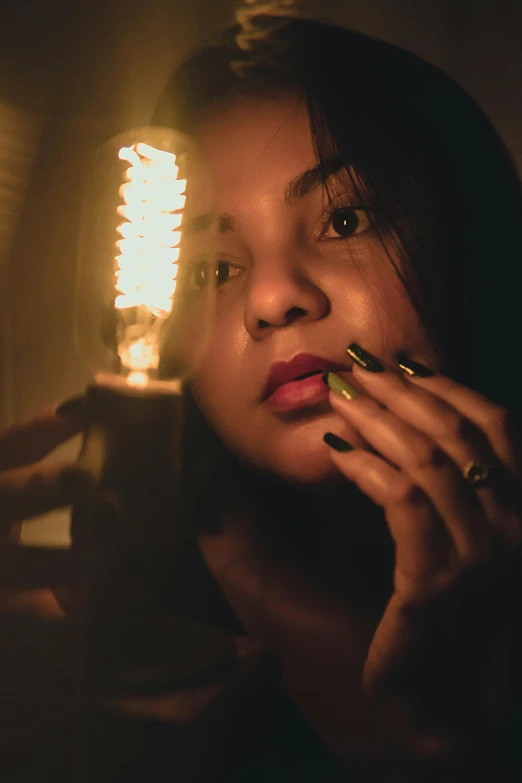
<point x="346" y="222"/>
<point x="222" y="272"/>
<point x="204" y="273"/>
<point x="201" y="275"/>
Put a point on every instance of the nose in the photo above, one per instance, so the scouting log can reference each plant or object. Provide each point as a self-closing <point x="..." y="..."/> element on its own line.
<point x="281" y="293"/>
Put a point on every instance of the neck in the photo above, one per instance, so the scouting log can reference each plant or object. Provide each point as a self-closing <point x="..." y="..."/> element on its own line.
<point x="338" y="531"/>
<point x="359" y="539"/>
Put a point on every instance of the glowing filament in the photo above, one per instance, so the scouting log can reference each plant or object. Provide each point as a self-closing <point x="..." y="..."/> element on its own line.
<point x="149" y="244"/>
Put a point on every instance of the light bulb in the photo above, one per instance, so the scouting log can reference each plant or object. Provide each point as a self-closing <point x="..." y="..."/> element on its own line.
<point x="146" y="267"/>
<point x="146" y="286"/>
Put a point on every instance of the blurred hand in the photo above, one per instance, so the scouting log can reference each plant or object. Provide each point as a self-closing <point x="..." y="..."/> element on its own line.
<point x="30" y="486"/>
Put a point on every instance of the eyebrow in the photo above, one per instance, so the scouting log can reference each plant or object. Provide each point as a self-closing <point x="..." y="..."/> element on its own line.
<point x="200" y="223"/>
<point x="227" y="223"/>
<point x="297" y="188"/>
<point x="310" y="179"/>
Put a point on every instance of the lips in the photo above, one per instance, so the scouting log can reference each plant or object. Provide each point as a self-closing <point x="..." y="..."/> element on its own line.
<point x="300" y="368"/>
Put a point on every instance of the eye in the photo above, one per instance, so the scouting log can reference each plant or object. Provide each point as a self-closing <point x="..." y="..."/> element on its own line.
<point x="199" y="275"/>
<point x="225" y="272"/>
<point x="345" y="222"/>
<point x="205" y="273"/>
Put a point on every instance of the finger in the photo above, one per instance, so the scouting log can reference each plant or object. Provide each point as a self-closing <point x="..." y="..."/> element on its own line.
<point x="28" y="491"/>
<point x="449" y="428"/>
<point x="420" y="537"/>
<point x="426" y="465"/>
<point x="455" y="434"/>
<point x="30" y="441"/>
<point x="25" y="567"/>
<point x="492" y="419"/>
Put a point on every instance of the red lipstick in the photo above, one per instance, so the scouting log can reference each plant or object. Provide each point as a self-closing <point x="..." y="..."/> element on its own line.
<point x="298" y="383"/>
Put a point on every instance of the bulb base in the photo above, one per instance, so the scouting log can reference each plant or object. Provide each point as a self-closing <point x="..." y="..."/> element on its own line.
<point x="156" y="620"/>
<point x="132" y="445"/>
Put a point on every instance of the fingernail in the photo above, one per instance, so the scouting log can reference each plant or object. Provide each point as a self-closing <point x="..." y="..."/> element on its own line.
<point x="337" y="443"/>
<point x="75" y="480"/>
<point x="73" y="408"/>
<point x="339" y="386"/>
<point x="414" y="369"/>
<point x="364" y="359"/>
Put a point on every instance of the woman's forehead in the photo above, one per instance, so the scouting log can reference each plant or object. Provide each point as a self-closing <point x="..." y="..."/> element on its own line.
<point x="261" y="154"/>
<point x="252" y="136"/>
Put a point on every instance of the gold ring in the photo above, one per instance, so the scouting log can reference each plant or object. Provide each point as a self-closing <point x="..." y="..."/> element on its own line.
<point x="475" y="474"/>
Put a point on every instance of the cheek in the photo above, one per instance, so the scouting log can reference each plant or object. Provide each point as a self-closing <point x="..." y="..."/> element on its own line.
<point x="370" y="298"/>
<point x="219" y="383"/>
<point x="378" y="314"/>
<point x="365" y="294"/>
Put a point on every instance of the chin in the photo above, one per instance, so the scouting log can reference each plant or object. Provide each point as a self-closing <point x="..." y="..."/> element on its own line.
<point x="296" y="452"/>
<point x="308" y="470"/>
<point x="304" y="458"/>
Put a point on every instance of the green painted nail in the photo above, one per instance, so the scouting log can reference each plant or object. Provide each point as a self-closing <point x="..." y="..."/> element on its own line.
<point x="364" y="359"/>
<point x="337" y="443"/>
<point x="339" y="386"/>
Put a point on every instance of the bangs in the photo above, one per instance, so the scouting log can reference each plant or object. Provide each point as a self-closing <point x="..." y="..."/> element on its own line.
<point x="384" y="171"/>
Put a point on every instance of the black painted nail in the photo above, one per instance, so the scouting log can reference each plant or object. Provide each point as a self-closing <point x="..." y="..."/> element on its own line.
<point x="73" y="408"/>
<point x="335" y="442"/>
<point x="414" y="369"/>
<point x="364" y="359"/>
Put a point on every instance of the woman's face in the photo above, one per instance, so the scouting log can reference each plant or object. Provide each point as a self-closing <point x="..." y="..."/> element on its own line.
<point x="299" y="280"/>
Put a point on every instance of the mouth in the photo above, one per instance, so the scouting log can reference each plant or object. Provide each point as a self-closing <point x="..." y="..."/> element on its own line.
<point x="299" y="382"/>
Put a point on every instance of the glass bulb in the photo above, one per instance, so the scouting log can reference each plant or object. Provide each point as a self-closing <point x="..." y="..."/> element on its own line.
<point x="146" y="287"/>
<point x="146" y="276"/>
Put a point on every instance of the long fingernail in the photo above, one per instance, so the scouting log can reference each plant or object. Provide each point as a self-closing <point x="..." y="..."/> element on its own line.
<point x="73" y="408"/>
<point x="414" y="369"/>
<point x="364" y="359"/>
<point x="337" y="443"/>
<point x="339" y="386"/>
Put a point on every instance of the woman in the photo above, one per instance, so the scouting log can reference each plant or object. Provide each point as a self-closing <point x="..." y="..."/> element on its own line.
<point x="369" y="507"/>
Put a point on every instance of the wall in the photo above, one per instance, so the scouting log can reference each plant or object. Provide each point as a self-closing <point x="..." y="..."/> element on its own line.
<point x="485" y="40"/>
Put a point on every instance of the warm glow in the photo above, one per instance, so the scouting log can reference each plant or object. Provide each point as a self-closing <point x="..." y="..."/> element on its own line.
<point x="149" y="247"/>
<point x="148" y="250"/>
<point x="138" y="379"/>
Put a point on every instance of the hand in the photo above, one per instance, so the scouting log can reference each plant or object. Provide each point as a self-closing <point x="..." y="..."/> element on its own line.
<point x="456" y="544"/>
<point x="29" y="487"/>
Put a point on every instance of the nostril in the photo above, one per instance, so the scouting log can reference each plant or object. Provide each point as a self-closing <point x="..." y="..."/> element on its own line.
<point x="293" y="314"/>
<point x="287" y="319"/>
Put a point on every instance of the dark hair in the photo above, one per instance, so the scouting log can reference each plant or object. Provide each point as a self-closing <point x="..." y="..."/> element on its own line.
<point x="448" y="194"/>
